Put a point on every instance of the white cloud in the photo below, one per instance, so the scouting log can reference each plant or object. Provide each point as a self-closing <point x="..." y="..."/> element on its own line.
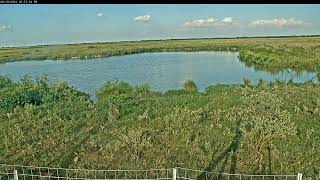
<point x="144" y="18"/>
<point x="5" y="28"/>
<point x="200" y="22"/>
<point x="277" y="22"/>
<point x="227" y="20"/>
<point x="210" y="22"/>
<point x="99" y="14"/>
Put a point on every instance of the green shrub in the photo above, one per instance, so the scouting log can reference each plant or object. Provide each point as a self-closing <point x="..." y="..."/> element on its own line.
<point x="261" y="83"/>
<point x="5" y="81"/>
<point x="136" y="129"/>
<point x="175" y="92"/>
<point x="190" y="86"/>
<point x="246" y="82"/>
<point x="144" y="88"/>
<point x="113" y="88"/>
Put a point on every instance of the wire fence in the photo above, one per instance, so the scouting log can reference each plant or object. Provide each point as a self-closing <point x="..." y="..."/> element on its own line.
<point x="16" y="172"/>
<point x="191" y="174"/>
<point x="9" y="172"/>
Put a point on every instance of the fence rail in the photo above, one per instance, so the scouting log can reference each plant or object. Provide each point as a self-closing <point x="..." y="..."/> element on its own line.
<point x="17" y="172"/>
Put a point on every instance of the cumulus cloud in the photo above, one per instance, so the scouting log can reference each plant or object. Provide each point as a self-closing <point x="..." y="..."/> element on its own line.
<point x="200" y="22"/>
<point x="99" y="14"/>
<point x="277" y="22"/>
<point x="5" y="28"/>
<point x="209" y="22"/>
<point x="144" y="18"/>
<point x="227" y="20"/>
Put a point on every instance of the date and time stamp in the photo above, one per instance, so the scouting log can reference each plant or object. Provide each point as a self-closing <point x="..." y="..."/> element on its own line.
<point x="18" y="1"/>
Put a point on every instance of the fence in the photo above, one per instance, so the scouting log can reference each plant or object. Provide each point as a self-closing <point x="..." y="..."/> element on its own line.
<point x="190" y="174"/>
<point x="15" y="172"/>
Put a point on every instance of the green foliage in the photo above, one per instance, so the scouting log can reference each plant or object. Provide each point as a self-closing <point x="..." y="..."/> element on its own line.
<point x="277" y="58"/>
<point x="265" y="126"/>
<point x="227" y="128"/>
<point x="246" y="82"/>
<point x="5" y="82"/>
<point x="261" y="83"/>
<point x="238" y="128"/>
<point x="114" y="89"/>
<point x="144" y="88"/>
<point x="190" y="86"/>
<point x="176" y="92"/>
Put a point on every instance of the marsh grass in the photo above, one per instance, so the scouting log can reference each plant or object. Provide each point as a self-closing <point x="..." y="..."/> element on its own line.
<point x="227" y="127"/>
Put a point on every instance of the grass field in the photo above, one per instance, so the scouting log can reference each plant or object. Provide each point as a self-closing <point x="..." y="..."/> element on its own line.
<point x="227" y="128"/>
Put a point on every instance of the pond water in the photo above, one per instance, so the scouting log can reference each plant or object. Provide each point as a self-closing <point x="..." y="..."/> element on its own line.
<point x="162" y="71"/>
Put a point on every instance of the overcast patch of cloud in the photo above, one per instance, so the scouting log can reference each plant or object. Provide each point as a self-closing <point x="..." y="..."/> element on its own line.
<point x="277" y="22"/>
<point x="5" y="28"/>
<point x="144" y="18"/>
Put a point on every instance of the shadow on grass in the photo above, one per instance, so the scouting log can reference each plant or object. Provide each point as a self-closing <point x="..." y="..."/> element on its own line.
<point x="225" y="155"/>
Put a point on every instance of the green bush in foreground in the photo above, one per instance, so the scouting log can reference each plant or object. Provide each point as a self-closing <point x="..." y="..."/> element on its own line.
<point x="228" y="128"/>
<point x="190" y="86"/>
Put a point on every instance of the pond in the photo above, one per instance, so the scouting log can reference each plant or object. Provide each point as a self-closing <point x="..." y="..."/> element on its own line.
<point x="162" y="71"/>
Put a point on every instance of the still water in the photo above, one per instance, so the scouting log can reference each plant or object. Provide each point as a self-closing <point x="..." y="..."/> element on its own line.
<point x="162" y="71"/>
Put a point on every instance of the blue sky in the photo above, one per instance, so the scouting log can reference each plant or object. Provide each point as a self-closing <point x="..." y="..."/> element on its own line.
<point x="22" y="25"/>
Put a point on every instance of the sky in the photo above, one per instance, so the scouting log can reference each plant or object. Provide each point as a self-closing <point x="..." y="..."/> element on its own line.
<point x="29" y="24"/>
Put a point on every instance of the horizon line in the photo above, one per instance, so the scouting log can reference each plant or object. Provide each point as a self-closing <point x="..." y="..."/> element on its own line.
<point x="102" y="42"/>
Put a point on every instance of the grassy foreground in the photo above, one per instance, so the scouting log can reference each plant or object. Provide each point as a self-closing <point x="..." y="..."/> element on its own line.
<point x="273" y="54"/>
<point x="228" y="128"/>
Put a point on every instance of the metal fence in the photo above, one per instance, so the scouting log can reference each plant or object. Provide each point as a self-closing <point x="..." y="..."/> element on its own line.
<point x="15" y="172"/>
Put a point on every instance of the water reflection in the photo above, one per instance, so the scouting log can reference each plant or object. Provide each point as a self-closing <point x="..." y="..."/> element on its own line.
<point x="162" y="71"/>
<point x="284" y="74"/>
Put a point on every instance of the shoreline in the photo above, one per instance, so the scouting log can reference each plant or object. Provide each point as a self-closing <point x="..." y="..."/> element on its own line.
<point x="301" y="53"/>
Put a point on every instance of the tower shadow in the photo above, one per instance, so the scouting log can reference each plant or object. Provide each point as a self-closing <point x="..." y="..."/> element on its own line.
<point x="225" y="155"/>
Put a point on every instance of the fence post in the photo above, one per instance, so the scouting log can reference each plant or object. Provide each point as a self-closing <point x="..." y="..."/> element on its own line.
<point x="299" y="176"/>
<point x="174" y="174"/>
<point x="15" y="174"/>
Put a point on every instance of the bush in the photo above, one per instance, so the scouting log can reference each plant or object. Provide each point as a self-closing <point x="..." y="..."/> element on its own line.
<point x="5" y="81"/>
<point x="114" y="88"/>
<point x="177" y="92"/>
<point x="261" y="83"/>
<point x="190" y="86"/>
<point x="144" y="88"/>
<point x="246" y="82"/>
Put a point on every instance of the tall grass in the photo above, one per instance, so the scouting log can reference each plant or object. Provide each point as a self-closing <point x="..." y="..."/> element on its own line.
<point x="226" y="128"/>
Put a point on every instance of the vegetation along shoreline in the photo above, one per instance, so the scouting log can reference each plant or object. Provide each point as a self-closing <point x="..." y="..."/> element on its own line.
<point x="268" y="53"/>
